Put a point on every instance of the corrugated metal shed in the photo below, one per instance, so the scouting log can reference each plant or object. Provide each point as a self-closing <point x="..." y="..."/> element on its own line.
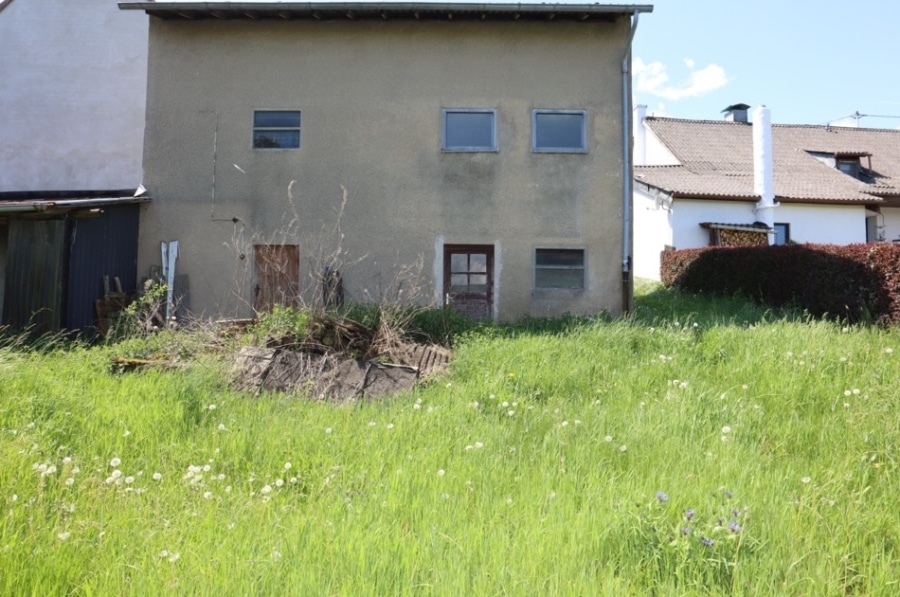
<point x="59" y="246"/>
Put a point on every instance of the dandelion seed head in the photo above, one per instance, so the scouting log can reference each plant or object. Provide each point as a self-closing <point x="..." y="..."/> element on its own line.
<point x="66" y="460"/>
<point x="608" y="438"/>
<point x="478" y="445"/>
<point x="157" y="476"/>
<point x="63" y="536"/>
<point x="623" y="448"/>
<point x="279" y="482"/>
<point x="441" y="472"/>
<point x="328" y="430"/>
<point x="115" y="462"/>
<point x="221" y="427"/>
<point x="207" y="495"/>
<point x="70" y="481"/>
<point x="266" y="489"/>
<point x="805" y="480"/>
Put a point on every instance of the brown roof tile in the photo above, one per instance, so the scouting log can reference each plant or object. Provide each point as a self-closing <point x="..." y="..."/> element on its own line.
<point x="717" y="161"/>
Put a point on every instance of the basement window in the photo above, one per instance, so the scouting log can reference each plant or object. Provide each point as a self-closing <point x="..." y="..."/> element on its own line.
<point x="276" y="129"/>
<point x="559" y="268"/>
<point x="468" y="129"/>
<point x="559" y="131"/>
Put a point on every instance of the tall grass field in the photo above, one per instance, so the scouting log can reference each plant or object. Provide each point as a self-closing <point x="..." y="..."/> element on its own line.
<point x="697" y="447"/>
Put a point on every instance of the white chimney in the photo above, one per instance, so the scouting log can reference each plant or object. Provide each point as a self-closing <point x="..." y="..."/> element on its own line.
<point x="640" y="135"/>
<point x="763" y="177"/>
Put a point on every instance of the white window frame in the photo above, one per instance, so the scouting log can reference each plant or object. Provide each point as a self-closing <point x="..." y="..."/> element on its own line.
<point x="263" y="129"/>
<point x="582" y="268"/>
<point x="536" y="113"/>
<point x="473" y="148"/>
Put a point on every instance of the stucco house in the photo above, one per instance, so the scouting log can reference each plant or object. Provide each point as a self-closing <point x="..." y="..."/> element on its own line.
<point x="71" y="141"/>
<point x="743" y="180"/>
<point x="290" y="145"/>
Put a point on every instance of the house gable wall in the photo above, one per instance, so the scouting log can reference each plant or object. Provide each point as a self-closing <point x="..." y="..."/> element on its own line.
<point x="73" y="94"/>
<point x="371" y="95"/>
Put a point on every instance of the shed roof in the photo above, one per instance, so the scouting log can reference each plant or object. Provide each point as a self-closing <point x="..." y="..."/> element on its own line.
<point x="385" y="10"/>
<point x="716" y="161"/>
<point x="45" y="204"/>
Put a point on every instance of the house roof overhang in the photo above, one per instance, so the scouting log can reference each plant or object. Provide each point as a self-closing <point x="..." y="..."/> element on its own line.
<point x="385" y="10"/>
<point x="758" y="227"/>
<point x="51" y="204"/>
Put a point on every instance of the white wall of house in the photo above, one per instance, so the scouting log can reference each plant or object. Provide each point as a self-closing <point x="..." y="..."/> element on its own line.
<point x="890" y="219"/>
<point x="687" y="215"/>
<point x="652" y="221"/>
<point x="73" y="95"/>
<point x="830" y="224"/>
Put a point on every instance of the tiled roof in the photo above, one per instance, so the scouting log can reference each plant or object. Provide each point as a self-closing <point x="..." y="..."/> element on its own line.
<point x="716" y="160"/>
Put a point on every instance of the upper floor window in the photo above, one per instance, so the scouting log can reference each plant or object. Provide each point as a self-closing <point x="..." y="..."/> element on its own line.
<point x="469" y="129"/>
<point x="276" y="129"/>
<point x="850" y="167"/>
<point x="559" y="131"/>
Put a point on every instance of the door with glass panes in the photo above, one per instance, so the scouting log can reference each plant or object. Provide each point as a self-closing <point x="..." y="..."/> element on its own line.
<point x="469" y="279"/>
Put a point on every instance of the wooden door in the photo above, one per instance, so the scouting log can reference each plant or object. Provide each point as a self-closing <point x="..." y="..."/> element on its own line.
<point x="277" y="276"/>
<point x="469" y="279"/>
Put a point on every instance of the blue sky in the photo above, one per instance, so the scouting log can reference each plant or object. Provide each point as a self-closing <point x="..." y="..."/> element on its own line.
<point x="809" y="61"/>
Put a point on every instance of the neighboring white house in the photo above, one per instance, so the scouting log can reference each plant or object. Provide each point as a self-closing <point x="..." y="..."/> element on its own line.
<point x="73" y="95"/>
<point x="697" y="183"/>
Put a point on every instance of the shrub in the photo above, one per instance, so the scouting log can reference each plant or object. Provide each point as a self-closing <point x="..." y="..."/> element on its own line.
<point x="859" y="282"/>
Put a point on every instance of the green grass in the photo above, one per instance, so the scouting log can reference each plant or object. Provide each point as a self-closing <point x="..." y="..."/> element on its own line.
<point x="532" y="468"/>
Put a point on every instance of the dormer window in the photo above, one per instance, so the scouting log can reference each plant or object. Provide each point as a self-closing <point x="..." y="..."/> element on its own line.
<point x="849" y="166"/>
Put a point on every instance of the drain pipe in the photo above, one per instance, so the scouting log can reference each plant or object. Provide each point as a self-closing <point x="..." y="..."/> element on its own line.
<point x="627" y="292"/>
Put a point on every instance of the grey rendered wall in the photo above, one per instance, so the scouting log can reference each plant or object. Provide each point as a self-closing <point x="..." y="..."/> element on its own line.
<point x="73" y="92"/>
<point x="371" y="95"/>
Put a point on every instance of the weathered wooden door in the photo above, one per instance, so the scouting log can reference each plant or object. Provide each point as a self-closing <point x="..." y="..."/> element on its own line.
<point x="277" y="276"/>
<point x="469" y="279"/>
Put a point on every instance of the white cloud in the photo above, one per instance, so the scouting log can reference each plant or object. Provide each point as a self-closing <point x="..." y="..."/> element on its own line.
<point x="689" y="62"/>
<point x="652" y="78"/>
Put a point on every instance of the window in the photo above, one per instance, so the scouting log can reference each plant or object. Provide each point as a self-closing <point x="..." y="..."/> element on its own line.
<point x="469" y="130"/>
<point x="559" y="131"/>
<point x="782" y="234"/>
<point x="850" y="167"/>
<point x="276" y="130"/>
<point x="559" y="268"/>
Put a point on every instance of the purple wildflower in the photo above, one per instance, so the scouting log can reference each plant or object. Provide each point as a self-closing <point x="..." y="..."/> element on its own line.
<point x="689" y="514"/>
<point x="735" y="513"/>
<point x="687" y="531"/>
<point x="707" y="541"/>
<point x="733" y="526"/>
<point x="729" y="494"/>
<point x="662" y="496"/>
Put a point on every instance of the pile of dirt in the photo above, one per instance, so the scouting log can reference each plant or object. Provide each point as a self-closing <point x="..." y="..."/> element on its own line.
<point x="339" y="360"/>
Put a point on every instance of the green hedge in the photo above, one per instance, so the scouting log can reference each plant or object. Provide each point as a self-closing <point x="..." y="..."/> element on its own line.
<point x="859" y="282"/>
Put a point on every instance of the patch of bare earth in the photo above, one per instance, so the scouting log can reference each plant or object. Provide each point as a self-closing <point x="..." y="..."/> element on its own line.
<point x="340" y="360"/>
